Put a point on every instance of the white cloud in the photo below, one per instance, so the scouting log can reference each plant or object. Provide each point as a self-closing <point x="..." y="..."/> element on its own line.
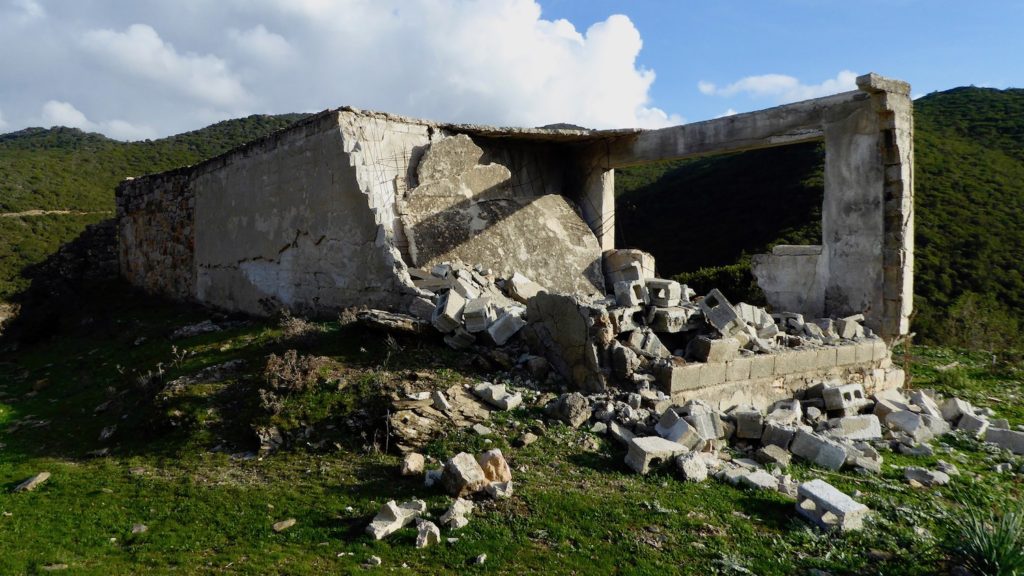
<point x="262" y="44"/>
<point x="780" y="87"/>
<point x="180" y="66"/>
<point x="141" y="52"/>
<point x="24" y="11"/>
<point x="57" y="113"/>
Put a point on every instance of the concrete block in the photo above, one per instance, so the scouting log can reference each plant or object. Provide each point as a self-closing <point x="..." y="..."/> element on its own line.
<point x="478" y="314"/>
<point x="909" y="423"/>
<point x="674" y="378"/>
<point x="846" y="354"/>
<point x="786" y="362"/>
<point x="674" y="428"/>
<point x="629" y="294"/>
<point x="673" y="320"/>
<point x="762" y="366"/>
<point x="779" y="435"/>
<point x="865" y="427"/>
<point x="1011" y="440"/>
<point x="850" y="327"/>
<point x="719" y="313"/>
<point x="448" y="314"/>
<point x="847" y="396"/>
<point x="626" y="319"/>
<point x="863" y="352"/>
<point x="925" y="477"/>
<point x="827" y="507"/>
<point x="664" y="293"/>
<point x="925" y="403"/>
<point x="460" y="338"/>
<point x="708" y="424"/>
<point x="818" y="450"/>
<point x="772" y="454"/>
<point x="826" y="358"/>
<point x="738" y="369"/>
<point x="704" y="349"/>
<point x="620" y="433"/>
<point x="786" y="412"/>
<point x="651" y="450"/>
<point x="422" y="308"/>
<point x="498" y="396"/>
<point x="712" y="374"/>
<point x="521" y="288"/>
<point x="879" y="351"/>
<point x="505" y="327"/>
<point x="749" y="423"/>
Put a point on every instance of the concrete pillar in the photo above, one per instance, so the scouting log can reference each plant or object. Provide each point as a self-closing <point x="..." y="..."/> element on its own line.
<point x="598" y="205"/>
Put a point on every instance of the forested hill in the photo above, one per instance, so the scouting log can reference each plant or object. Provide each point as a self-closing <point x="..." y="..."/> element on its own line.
<point x="703" y="218"/>
<point x="70" y="176"/>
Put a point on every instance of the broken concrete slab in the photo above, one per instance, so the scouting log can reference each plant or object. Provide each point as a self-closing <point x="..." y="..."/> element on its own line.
<point x="926" y="403"/>
<point x="32" y="483"/>
<point x="760" y="480"/>
<point x="953" y="408"/>
<point x="505" y="327"/>
<point x="671" y="427"/>
<point x="393" y="517"/>
<point x="909" y="423"/>
<point x="561" y="327"/>
<point x="863" y="427"/>
<point x="692" y="466"/>
<point x="973" y="424"/>
<point x="749" y="423"/>
<point x="648" y="451"/>
<point x="772" y="454"/>
<point x="463" y="475"/>
<point x="827" y="507"/>
<point x="925" y="477"/>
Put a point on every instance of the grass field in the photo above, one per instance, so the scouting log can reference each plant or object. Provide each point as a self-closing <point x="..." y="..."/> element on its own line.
<point x="187" y="469"/>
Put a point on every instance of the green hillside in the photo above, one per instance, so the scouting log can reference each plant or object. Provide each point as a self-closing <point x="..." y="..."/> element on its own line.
<point x="65" y="169"/>
<point x="969" y="145"/>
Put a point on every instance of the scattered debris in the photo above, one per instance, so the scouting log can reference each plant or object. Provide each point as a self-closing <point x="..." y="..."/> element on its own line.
<point x="33" y="482"/>
<point x="284" y="525"/>
<point x="393" y="517"/>
<point x="428" y="533"/>
<point x="457" y="515"/>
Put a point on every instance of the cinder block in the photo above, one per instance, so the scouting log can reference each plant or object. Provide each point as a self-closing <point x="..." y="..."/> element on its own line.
<point x="823" y="504"/>
<point x="679" y="378"/>
<point x="786" y="362"/>
<point x="826" y="358"/>
<point x="762" y="366"/>
<point x="846" y="354"/>
<point x="863" y="352"/>
<point x="806" y="360"/>
<point x="879" y="351"/>
<point x="712" y="374"/>
<point x="738" y="369"/>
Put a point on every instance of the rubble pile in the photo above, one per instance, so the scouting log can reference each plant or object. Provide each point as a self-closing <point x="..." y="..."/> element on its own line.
<point x="650" y="332"/>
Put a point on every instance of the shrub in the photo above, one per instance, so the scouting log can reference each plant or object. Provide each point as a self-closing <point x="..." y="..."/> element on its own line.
<point x="292" y="373"/>
<point x="987" y="543"/>
<point x="980" y="322"/>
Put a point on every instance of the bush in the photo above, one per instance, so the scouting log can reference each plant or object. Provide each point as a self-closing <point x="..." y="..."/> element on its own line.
<point x="292" y="373"/>
<point x="980" y="322"/>
<point x="988" y="544"/>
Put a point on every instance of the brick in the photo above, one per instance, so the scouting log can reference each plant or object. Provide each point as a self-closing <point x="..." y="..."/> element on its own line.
<point x="762" y="366"/>
<point x="738" y="369"/>
<point x="846" y="355"/>
<point x="679" y="378"/>
<point x="863" y="352"/>
<point x="712" y="374"/>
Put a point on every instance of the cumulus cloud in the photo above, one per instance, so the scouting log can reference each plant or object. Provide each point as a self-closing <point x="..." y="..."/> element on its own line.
<point x="180" y="66"/>
<point x="780" y="87"/>
<point x="57" y="113"/>
<point x="139" y="51"/>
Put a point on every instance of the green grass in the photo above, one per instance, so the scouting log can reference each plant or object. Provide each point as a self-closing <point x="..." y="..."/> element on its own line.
<point x="209" y="505"/>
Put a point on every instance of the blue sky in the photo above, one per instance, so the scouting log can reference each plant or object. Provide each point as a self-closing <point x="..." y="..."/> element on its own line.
<point x="933" y="44"/>
<point x="150" y="68"/>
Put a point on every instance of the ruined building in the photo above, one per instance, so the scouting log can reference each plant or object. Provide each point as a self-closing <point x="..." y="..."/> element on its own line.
<point x="349" y="208"/>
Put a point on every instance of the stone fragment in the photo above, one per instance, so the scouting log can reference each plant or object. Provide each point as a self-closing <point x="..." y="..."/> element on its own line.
<point x="32" y="483"/>
<point x="953" y="408"/>
<point x="650" y="450"/>
<point x="412" y="464"/>
<point x="500" y="490"/>
<point x="692" y="467"/>
<point x="494" y="466"/>
<point x="821" y="451"/>
<point x="785" y="412"/>
<point x="428" y="533"/>
<point x="373" y="561"/>
<point x="925" y="402"/>
<point x="624" y="361"/>
<point x="620" y="433"/>
<point x="673" y="320"/>
<point x="778" y="435"/>
<point x="772" y="454"/>
<point x="457" y="515"/>
<point x="498" y="396"/>
<point x="460" y="339"/>
<point x="574" y="409"/>
<point x="1011" y="440"/>
<point x="282" y="525"/>
<point x="704" y="349"/>
<point x="440" y="401"/>
<point x="481" y="430"/>
<point x="463" y="475"/>
<point x="864" y="427"/>
<point x="925" y="477"/>
<point x="422" y="308"/>
<point x="525" y="440"/>
<point x="824" y="505"/>
<point x="850" y="327"/>
<point x="432" y="477"/>
<point x="393" y="517"/>
<point x="974" y="424"/>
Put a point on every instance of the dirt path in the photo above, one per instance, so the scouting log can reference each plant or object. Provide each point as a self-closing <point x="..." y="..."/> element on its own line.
<point x="48" y="212"/>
